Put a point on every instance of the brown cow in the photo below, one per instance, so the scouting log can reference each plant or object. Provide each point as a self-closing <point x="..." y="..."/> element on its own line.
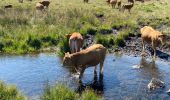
<point x="127" y="6"/>
<point x="141" y="1"/>
<point x="91" y="56"/>
<point x="131" y="1"/>
<point x="39" y="6"/>
<point x="86" y="1"/>
<point x="119" y="4"/>
<point x="75" y="42"/>
<point x="20" y="1"/>
<point x="8" y="6"/>
<point x="113" y="3"/>
<point x="45" y="3"/>
<point x="155" y="38"/>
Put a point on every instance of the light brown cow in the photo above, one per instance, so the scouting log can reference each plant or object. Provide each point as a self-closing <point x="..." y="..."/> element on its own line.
<point x="75" y="42"/>
<point x="113" y="3"/>
<point x="45" y="3"/>
<point x="155" y="38"/>
<point x="91" y="56"/>
<point x="39" y="6"/>
<point x="20" y="1"/>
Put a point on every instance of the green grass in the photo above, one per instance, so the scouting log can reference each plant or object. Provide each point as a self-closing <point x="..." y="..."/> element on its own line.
<point x="10" y="92"/>
<point x="62" y="92"/>
<point x="24" y="30"/>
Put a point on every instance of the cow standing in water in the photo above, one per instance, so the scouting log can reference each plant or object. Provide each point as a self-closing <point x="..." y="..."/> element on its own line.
<point x="153" y="37"/>
<point x="92" y="56"/>
<point x="75" y="42"/>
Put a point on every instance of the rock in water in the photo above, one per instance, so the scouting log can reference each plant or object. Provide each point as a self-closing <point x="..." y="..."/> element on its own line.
<point x="155" y="84"/>
<point x="168" y="91"/>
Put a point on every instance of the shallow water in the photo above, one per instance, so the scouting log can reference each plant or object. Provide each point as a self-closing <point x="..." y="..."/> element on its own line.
<point x="121" y="79"/>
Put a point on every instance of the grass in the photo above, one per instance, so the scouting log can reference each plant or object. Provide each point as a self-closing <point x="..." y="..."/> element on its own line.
<point x="62" y="92"/>
<point x="24" y="30"/>
<point x="10" y="92"/>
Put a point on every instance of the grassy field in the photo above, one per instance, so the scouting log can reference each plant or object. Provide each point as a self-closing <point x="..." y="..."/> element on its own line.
<point x="25" y="30"/>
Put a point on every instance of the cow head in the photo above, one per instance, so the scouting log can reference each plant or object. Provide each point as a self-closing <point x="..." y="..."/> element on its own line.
<point x="68" y="35"/>
<point x="162" y="38"/>
<point x="67" y="59"/>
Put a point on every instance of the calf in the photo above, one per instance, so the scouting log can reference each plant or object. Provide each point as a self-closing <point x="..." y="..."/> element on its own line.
<point x="86" y="1"/>
<point x="131" y="1"/>
<point x="75" y="42"/>
<point x="153" y="37"/>
<point x="45" y="3"/>
<point x="20" y="1"/>
<point x="127" y="6"/>
<point x="113" y="3"/>
<point x="119" y="4"/>
<point x="91" y="56"/>
<point x="141" y="1"/>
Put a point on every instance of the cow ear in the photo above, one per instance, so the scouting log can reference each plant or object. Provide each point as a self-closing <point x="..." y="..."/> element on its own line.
<point x="68" y="35"/>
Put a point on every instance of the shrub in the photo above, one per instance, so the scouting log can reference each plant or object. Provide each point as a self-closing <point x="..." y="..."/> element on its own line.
<point x="62" y="92"/>
<point x="63" y="47"/>
<point x="34" y="42"/>
<point x="10" y="92"/>
<point x="119" y="41"/>
<point x="58" y="92"/>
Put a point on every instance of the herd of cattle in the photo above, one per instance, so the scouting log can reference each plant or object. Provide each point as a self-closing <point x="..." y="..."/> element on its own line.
<point x="41" y="5"/>
<point x="95" y="54"/>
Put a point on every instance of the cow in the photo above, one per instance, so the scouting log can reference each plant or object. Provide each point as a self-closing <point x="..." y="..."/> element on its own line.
<point x="153" y="37"/>
<point x="113" y="3"/>
<point x="131" y="1"/>
<point x="119" y="4"/>
<point x="20" y="1"/>
<point x="86" y="1"/>
<point x="8" y="6"/>
<point x="39" y="6"/>
<point x="75" y="42"/>
<point x="45" y="3"/>
<point x="127" y="6"/>
<point x="91" y="56"/>
<point x="141" y="1"/>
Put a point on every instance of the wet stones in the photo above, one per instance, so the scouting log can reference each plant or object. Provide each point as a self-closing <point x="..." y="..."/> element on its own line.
<point x="155" y="84"/>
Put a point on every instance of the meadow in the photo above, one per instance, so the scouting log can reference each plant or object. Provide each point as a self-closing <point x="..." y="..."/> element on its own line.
<point x="25" y="30"/>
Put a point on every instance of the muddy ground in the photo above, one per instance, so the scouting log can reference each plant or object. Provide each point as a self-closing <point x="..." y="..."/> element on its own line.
<point x="133" y="47"/>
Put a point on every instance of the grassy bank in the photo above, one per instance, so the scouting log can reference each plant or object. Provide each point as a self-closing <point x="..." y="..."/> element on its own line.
<point x="24" y="30"/>
<point x="57" y="92"/>
<point x="61" y="92"/>
<point x="10" y="93"/>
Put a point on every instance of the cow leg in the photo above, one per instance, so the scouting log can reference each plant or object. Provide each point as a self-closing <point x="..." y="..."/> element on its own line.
<point x="101" y="68"/>
<point x="143" y="46"/>
<point x="95" y="70"/>
<point x="81" y="73"/>
<point x="154" y="48"/>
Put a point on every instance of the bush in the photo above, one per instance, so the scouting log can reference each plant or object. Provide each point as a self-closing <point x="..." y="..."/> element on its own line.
<point x="58" y="92"/>
<point x="119" y="41"/>
<point x="34" y="42"/>
<point x="10" y="92"/>
<point x="63" y="47"/>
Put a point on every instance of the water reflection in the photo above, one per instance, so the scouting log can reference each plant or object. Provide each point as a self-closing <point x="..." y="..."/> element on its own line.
<point x="96" y="84"/>
<point x="149" y="69"/>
